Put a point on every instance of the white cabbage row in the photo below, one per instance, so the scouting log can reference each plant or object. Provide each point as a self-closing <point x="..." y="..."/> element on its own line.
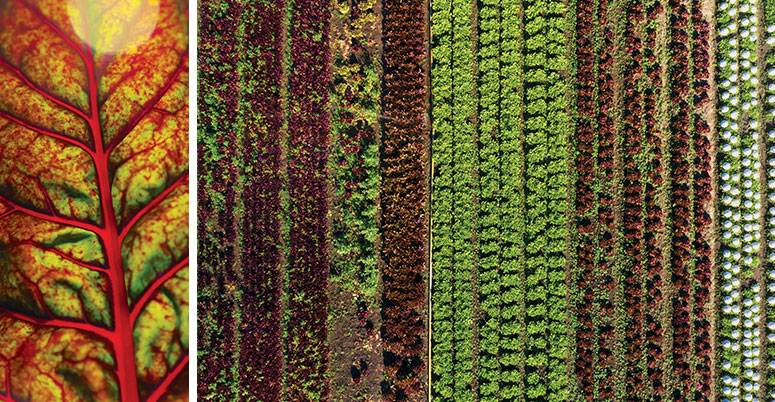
<point x="740" y="200"/>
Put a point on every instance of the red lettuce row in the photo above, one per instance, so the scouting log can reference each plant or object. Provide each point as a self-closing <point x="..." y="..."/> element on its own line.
<point x="217" y="196"/>
<point x="654" y="223"/>
<point x="585" y="197"/>
<point x="306" y="352"/>
<point x="680" y="195"/>
<point x="633" y="202"/>
<point x="404" y="190"/>
<point x="606" y="316"/>
<point x="260" y="353"/>
<point x="702" y="196"/>
<point x="245" y="112"/>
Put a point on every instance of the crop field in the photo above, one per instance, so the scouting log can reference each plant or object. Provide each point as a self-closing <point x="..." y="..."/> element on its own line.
<point x="313" y="255"/>
<point x="494" y="200"/>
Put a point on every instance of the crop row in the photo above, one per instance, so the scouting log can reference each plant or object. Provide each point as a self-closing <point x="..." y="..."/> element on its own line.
<point x="643" y="220"/>
<point x="632" y="221"/>
<point x="306" y="353"/>
<point x="455" y="213"/>
<point x="217" y="200"/>
<point x="702" y="195"/>
<point x="557" y="177"/>
<point x="654" y="219"/>
<point x="465" y="208"/>
<point x="442" y="295"/>
<point x="240" y="236"/>
<point x="512" y="220"/>
<point x="354" y="185"/>
<point x="496" y="246"/>
<point x="585" y="196"/>
<point x="501" y="235"/>
<point x="354" y="158"/>
<point x="654" y="222"/>
<point x="766" y="134"/>
<point x="403" y="196"/>
<point x="767" y="334"/>
<point x="607" y="256"/>
<point x="619" y="254"/>
<point x="520" y="221"/>
<point x="740" y="200"/>
<point x="681" y="195"/>
<point x="260" y="231"/>
<point x="546" y="346"/>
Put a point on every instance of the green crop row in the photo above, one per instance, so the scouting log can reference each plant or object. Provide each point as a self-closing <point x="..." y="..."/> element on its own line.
<point x="512" y="201"/>
<point x="489" y="366"/>
<point x="545" y="202"/>
<point x="557" y="168"/>
<point x="535" y="204"/>
<point x="519" y="222"/>
<point x="443" y="200"/>
<point x="464" y="104"/>
<point x="354" y="182"/>
<point x="354" y="160"/>
<point x="454" y="194"/>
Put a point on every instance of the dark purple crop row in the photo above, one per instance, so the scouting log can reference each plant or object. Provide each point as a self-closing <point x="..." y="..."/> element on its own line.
<point x="306" y="352"/>
<point x="247" y="114"/>
<point x="260" y="355"/>
<point x="680" y="213"/>
<point x="217" y="226"/>
<point x="606" y="110"/>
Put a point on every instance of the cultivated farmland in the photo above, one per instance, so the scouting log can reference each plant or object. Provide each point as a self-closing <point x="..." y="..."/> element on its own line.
<point x="495" y="200"/>
<point x="313" y="201"/>
<point x="615" y="168"/>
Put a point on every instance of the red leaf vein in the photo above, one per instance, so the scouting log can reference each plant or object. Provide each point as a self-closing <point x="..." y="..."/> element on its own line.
<point x="137" y="307"/>
<point x="164" y="385"/>
<point x="59" y="323"/>
<point x="47" y="217"/>
<point x="151" y="205"/>
<point x="48" y="133"/>
<point x="146" y="109"/>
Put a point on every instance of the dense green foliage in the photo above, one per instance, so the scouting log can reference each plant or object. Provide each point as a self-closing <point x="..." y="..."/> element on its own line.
<point x="454" y="224"/>
<point x="489" y="235"/>
<point x="442" y="291"/>
<point x="519" y="212"/>
<point x="512" y="201"/>
<point x="546" y="194"/>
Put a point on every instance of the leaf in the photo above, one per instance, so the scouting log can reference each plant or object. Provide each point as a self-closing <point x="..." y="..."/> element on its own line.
<point x="93" y="200"/>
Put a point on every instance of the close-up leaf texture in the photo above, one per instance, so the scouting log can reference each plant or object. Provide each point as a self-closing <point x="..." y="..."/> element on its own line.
<point x="94" y="200"/>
